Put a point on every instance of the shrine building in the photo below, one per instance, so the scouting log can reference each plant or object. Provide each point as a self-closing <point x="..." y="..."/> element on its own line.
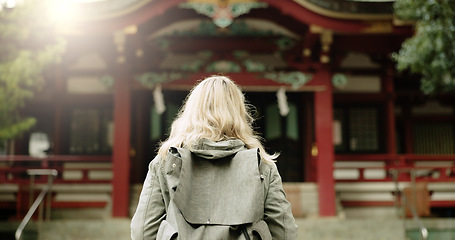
<point x="350" y="128"/>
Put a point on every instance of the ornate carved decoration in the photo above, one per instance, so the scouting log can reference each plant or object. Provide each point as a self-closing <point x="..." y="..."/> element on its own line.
<point x="223" y="12"/>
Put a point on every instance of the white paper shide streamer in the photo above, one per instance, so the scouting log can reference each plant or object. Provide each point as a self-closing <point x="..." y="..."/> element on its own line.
<point x="158" y="98"/>
<point x="282" y="102"/>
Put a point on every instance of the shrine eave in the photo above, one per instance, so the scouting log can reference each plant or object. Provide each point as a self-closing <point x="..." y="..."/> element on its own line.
<point x="304" y="11"/>
<point x="349" y="9"/>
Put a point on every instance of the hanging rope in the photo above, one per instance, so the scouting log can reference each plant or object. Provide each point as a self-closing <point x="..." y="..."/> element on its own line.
<point x="282" y="101"/>
<point x="158" y="98"/>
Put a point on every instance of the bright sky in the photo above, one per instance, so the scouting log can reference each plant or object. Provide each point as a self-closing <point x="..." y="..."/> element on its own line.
<point x="7" y="3"/>
<point x="13" y="3"/>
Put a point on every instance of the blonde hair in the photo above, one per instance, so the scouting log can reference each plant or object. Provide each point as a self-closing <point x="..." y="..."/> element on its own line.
<point x="216" y="110"/>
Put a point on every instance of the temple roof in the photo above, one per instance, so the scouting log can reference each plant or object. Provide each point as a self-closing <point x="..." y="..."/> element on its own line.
<point x="344" y="9"/>
<point x="344" y="16"/>
<point x="166" y="39"/>
<point x="350" y="8"/>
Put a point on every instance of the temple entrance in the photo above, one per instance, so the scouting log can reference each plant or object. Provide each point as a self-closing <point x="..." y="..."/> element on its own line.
<point x="150" y="126"/>
<point x="283" y="134"/>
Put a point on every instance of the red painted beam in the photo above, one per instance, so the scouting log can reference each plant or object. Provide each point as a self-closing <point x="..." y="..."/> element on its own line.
<point x="57" y="158"/>
<point x="182" y="44"/>
<point x="446" y="203"/>
<point x="368" y="203"/>
<point x="311" y="18"/>
<point x="393" y="157"/>
<point x="366" y="157"/>
<point x="249" y="81"/>
<point x="323" y="111"/>
<point x="392" y="203"/>
<point x="243" y="79"/>
<point x="82" y="204"/>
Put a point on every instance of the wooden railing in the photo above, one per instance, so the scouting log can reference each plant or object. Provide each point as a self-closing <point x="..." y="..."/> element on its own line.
<point x="367" y="179"/>
<point x="13" y="167"/>
<point x="432" y="168"/>
<point x="77" y="175"/>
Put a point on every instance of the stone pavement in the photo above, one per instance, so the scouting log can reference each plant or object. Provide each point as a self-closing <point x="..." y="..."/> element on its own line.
<point x="309" y="228"/>
<point x="350" y="229"/>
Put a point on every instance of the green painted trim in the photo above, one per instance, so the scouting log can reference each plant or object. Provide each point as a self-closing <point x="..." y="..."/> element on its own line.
<point x="296" y="79"/>
<point x="107" y="80"/>
<point x="253" y="66"/>
<point x="339" y="80"/>
<point x="223" y="66"/>
<point x="149" y="79"/>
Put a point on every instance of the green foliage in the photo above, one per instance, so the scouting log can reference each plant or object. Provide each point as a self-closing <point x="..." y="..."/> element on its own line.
<point x="29" y="44"/>
<point x="431" y="51"/>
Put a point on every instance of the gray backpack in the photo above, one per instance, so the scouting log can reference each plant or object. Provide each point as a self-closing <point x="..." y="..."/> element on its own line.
<point x="214" y="198"/>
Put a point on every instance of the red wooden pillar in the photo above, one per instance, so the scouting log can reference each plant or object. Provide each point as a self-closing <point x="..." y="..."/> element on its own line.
<point x="121" y="148"/>
<point x="323" y="113"/>
<point x="390" y="112"/>
<point x="310" y="163"/>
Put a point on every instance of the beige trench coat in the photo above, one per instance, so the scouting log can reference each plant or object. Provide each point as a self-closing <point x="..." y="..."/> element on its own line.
<point x="212" y="193"/>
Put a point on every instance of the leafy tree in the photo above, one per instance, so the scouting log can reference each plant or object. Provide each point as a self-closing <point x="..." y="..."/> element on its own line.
<point x="29" y="43"/>
<point x="431" y="51"/>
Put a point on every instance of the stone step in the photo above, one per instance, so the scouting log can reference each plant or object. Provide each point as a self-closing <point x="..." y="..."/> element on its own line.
<point x="309" y="228"/>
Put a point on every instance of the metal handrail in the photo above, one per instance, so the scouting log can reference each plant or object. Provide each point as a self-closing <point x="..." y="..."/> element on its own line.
<point x="51" y="173"/>
<point x="415" y="216"/>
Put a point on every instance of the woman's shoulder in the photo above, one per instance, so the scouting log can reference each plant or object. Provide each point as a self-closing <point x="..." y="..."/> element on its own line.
<point x="155" y="163"/>
<point x="268" y="167"/>
<point x="159" y="162"/>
